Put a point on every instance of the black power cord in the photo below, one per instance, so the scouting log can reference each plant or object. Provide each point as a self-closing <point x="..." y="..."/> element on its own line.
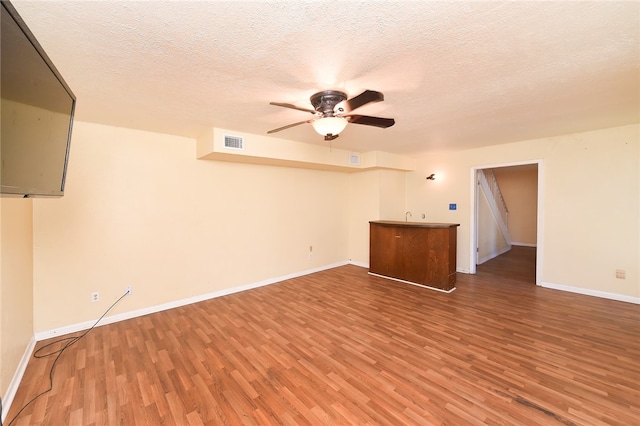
<point x="37" y="354"/>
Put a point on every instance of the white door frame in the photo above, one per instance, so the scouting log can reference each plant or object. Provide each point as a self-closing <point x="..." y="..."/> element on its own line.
<point x="474" y="214"/>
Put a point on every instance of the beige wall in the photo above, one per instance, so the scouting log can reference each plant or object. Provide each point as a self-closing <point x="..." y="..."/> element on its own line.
<point x="16" y="285"/>
<point x="589" y="204"/>
<point x="392" y="195"/>
<point x="364" y="206"/>
<point x="591" y="210"/>
<point x="519" y="187"/>
<point x="373" y="195"/>
<point x="140" y="210"/>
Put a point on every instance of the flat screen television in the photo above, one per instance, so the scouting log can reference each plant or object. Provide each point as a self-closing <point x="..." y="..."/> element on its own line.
<point x="37" y="114"/>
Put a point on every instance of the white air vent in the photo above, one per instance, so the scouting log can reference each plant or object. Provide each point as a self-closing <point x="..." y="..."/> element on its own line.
<point x="354" y="159"/>
<point x="233" y="142"/>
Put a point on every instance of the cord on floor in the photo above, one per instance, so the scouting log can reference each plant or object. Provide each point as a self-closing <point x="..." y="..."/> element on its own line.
<point x="37" y="354"/>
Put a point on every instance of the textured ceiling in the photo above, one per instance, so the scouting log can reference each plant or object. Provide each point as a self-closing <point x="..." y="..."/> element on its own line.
<point x="454" y="74"/>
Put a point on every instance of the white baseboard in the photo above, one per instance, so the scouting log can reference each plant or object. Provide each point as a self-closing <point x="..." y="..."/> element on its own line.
<point x="595" y="293"/>
<point x="360" y="264"/>
<point x="7" y="400"/>
<point x="513" y="243"/>
<point x="412" y="283"/>
<point x="366" y="265"/>
<point x="494" y="254"/>
<point x="177" y="303"/>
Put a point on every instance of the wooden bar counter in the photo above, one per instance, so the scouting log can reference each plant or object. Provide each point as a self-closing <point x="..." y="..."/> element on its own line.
<point x="414" y="252"/>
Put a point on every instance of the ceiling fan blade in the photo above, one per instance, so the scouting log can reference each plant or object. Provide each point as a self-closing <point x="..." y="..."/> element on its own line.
<point x="363" y="98"/>
<point x="330" y="137"/>
<point x="370" y="121"/>
<point x="280" y="104"/>
<point x="289" y="126"/>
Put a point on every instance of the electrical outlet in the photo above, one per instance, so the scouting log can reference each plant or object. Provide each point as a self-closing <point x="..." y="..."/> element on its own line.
<point x="128" y="289"/>
<point x="621" y="274"/>
<point x="95" y="296"/>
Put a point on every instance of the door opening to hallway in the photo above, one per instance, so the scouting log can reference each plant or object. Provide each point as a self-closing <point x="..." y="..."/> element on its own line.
<point x="506" y="219"/>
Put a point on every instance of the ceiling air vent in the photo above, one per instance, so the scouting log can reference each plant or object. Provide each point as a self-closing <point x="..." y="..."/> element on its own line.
<point x="233" y="142"/>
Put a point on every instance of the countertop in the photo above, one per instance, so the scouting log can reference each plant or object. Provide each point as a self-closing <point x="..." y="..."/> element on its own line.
<point x="414" y="224"/>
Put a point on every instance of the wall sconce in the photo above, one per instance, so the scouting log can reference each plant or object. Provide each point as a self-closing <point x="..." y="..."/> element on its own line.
<point x="432" y="176"/>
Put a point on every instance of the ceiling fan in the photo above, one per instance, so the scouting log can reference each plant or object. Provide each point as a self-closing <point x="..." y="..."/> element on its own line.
<point x="329" y="121"/>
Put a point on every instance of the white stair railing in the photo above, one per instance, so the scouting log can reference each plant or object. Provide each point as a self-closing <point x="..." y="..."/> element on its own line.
<point x="490" y="186"/>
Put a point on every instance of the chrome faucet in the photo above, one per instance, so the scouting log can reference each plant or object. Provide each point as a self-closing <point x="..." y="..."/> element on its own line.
<point x="406" y="215"/>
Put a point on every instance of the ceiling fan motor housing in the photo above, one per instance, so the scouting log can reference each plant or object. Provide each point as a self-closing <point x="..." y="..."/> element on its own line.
<point x="324" y="102"/>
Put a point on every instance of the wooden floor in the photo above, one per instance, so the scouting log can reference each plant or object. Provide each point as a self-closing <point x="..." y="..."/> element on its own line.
<point x="343" y="347"/>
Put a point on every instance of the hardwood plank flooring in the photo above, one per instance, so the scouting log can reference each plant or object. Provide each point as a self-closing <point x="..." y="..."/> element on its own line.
<point x="516" y="265"/>
<point x="341" y="347"/>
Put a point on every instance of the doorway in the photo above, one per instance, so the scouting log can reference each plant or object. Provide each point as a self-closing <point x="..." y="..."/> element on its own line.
<point x="527" y="234"/>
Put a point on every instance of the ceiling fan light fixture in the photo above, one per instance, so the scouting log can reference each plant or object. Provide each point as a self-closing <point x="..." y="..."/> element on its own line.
<point x="329" y="125"/>
<point x="329" y="109"/>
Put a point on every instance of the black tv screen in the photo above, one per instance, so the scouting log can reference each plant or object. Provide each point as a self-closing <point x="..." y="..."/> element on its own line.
<point x="37" y="114"/>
